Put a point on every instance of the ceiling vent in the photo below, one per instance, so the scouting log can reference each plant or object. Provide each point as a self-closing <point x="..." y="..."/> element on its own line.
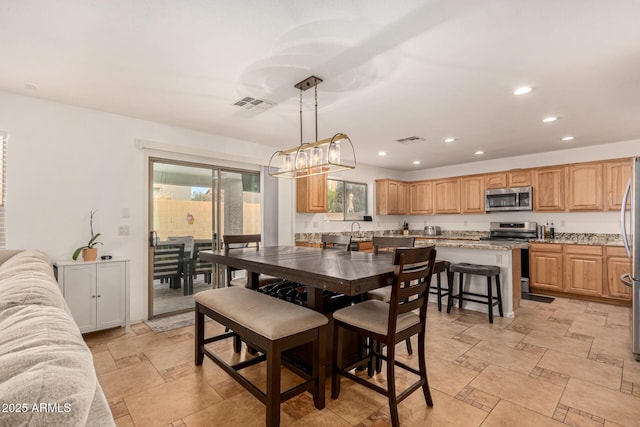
<point x="409" y="140"/>
<point x="254" y="104"/>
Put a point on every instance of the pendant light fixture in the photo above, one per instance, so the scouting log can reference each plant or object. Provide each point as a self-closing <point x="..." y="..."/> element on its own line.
<point x="313" y="158"/>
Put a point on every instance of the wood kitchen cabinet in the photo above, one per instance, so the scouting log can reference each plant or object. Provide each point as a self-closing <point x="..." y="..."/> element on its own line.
<point x="583" y="269"/>
<point x="616" y="176"/>
<point x="446" y="196"/>
<point x="392" y="197"/>
<point x="421" y="198"/>
<point x="585" y="187"/>
<point x="617" y="264"/>
<point x="311" y="194"/>
<point x="549" y="189"/>
<point x="545" y="266"/>
<point x="495" y="180"/>
<point x="472" y="194"/>
<point x="519" y="178"/>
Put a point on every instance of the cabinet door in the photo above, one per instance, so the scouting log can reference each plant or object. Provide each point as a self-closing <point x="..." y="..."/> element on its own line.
<point x="495" y="180"/>
<point x="519" y="178"/>
<point x="549" y="191"/>
<point x="402" y="198"/>
<point x="585" y="187"/>
<point x="311" y="194"/>
<point x="616" y="267"/>
<point x="421" y="197"/>
<point x="583" y="274"/>
<point x="545" y="270"/>
<point x="446" y="196"/>
<point x="110" y="279"/>
<point x="80" y="294"/>
<point x="472" y="199"/>
<point x="616" y="177"/>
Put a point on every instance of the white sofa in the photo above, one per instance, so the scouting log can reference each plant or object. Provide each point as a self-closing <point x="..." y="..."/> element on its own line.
<point x="47" y="377"/>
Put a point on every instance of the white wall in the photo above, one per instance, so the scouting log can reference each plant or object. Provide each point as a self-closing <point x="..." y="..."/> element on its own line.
<point x="64" y="161"/>
<point x="588" y="222"/>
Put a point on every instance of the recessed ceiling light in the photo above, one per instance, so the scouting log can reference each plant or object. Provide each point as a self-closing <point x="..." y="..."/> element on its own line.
<point x="522" y="90"/>
<point x="449" y="139"/>
<point x="479" y="153"/>
<point x="549" y="119"/>
<point x="382" y="153"/>
<point x="416" y="162"/>
<point x="568" y="138"/>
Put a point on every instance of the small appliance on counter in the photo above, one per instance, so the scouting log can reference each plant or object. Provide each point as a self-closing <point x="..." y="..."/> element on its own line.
<point x="431" y="230"/>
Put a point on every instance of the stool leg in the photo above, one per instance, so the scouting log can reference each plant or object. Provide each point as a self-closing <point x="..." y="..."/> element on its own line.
<point x="274" y="359"/>
<point x="490" y="298"/>
<point x="439" y="292"/>
<point x="450" y="286"/>
<point x="499" y="292"/>
<point x="199" y="339"/>
<point x="460" y="286"/>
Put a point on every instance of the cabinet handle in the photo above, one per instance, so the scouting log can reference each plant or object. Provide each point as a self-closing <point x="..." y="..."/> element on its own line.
<point x="93" y="296"/>
<point x="99" y="296"/>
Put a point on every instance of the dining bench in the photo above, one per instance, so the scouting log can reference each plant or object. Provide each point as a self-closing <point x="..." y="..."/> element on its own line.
<point x="271" y="326"/>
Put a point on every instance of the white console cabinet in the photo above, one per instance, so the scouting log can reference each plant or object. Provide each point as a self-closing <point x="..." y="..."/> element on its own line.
<point x="97" y="292"/>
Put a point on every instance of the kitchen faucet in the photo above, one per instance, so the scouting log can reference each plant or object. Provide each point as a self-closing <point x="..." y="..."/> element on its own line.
<point x="355" y="223"/>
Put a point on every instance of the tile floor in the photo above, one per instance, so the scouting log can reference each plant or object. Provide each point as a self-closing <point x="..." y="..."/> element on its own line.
<point x="567" y="362"/>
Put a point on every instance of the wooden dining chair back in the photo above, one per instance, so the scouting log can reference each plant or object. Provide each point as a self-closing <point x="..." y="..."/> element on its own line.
<point x="388" y="242"/>
<point x="389" y="324"/>
<point x="239" y="241"/>
<point x="336" y="241"/>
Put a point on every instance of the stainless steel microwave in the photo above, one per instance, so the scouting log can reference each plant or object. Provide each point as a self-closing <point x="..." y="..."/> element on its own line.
<point x="509" y="199"/>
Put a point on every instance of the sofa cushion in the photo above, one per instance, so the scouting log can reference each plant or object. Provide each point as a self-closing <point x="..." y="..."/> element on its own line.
<point x="45" y="361"/>
<point x="27" y="278"/>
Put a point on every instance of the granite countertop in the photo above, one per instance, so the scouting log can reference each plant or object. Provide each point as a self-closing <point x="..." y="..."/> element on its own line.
<point x="496" y="245"/>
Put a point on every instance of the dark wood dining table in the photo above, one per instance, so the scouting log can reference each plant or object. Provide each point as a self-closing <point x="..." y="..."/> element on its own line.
<point x="345" y="272"/>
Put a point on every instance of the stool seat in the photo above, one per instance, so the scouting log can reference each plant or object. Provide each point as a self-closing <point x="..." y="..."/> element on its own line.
<point x="480" y="270"/>
<point x="488" y="271"/>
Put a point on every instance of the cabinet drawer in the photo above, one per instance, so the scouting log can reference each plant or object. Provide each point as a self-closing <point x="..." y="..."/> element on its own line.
<point x="618" y="251"/>
<point x="583" y="249"/>
<point x="545" y="247"/>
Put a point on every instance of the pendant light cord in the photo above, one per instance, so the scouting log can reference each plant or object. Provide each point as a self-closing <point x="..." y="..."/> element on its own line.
<point x="300" y="117"/>
<point x="316" y="92"/>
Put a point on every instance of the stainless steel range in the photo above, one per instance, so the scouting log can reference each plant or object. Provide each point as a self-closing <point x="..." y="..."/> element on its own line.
<point x="518" y="231"/>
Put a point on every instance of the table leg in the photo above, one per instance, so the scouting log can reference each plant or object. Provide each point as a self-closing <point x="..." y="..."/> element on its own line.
<point x="315" y="300"/>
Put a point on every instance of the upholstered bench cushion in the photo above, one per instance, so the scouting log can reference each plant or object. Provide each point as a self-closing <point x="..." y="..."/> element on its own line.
<point x="481" y="270"/>
<point x="265" y="315"/>
<point x="373" y="315"/>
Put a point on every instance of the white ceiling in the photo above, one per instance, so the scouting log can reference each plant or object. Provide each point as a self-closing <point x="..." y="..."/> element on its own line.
<point x="432" y="69"/>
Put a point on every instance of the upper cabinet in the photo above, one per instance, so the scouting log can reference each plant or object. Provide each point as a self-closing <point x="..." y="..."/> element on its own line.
<point x="519" y="178"/>
<point x="421" y="197"/>
<point x="392" y="197"/>
<point x="549" y="189"/>
<point x="472" y="194"/>
<point x="495" y="180"/>
<point x="616" y="176"/>
<point x="585" y="187"/>
<point x="311" y="194"/>
<point x="446" y="197"/>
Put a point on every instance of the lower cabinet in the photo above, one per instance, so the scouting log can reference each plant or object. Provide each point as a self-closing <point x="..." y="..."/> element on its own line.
<point x="97" y="292"/>
<point x="589" y="270"/>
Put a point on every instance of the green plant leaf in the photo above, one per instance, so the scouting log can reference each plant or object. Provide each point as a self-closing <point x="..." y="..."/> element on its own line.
<point x="77" y="252"/>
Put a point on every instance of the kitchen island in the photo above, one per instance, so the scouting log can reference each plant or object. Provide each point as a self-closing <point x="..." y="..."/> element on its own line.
<point x="504" y="254"/>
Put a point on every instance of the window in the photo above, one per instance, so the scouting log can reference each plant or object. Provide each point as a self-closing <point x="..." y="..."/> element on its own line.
<point x="3" y="168"/>
<point x="346" y="201"/>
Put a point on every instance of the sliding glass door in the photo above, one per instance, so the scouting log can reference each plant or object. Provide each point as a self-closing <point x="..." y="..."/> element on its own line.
<point x="191" y="206"/>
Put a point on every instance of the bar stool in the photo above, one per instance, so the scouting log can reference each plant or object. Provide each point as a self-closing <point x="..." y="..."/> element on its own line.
<point x="488" y="271"/>
<point x="442" y="266"/>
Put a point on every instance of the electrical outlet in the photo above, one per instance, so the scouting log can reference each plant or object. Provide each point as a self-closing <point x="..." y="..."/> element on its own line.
<point x="498" y="259"/>
<point x="125" y="212"/>
<point x="563" y="223"/>
<point x="315" y="224"/>
<point x="123" y="230"/>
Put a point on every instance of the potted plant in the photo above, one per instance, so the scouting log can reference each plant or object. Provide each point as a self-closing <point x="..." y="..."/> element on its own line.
<point x="89" y="251"/>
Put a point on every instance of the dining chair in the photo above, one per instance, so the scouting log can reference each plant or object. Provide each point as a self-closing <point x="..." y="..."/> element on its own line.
<point x="239" y="241"/>
<point x="336" y="241"/>
<point x="390" y="323"/>
<point x="194" y="265"/>
<point x="387" y="243"/>
<point x="168" y="258"/>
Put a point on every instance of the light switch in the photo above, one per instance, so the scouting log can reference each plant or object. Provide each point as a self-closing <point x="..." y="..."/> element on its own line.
<point x="125" y="212"/>
<point x="123" y="230"/>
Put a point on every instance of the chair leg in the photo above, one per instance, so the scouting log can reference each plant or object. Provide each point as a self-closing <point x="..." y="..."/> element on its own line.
<point x="199" y="338"/>
<point x="409" y="348"/>
<point x="274" y="359"/>
<point x="378" y="350"/>
<point x="318" y="369"/>
<point x="372" y="360"/>
<point x="490" y="298"/>
<point x="499" y="293"/>
<point x="422" y="361"/>
<point x="335" y="376"/>
<point x="237" y="344"/>
<point x="391" y="386"/>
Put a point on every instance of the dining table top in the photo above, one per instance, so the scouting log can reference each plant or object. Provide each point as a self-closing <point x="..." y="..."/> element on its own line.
<point x="347" y="272"/>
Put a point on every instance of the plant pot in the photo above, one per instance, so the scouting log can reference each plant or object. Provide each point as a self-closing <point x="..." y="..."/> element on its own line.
<point x="90" y="254"/>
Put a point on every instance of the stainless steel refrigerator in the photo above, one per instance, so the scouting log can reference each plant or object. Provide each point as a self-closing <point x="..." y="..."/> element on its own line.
<point x="631" y="237"/>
